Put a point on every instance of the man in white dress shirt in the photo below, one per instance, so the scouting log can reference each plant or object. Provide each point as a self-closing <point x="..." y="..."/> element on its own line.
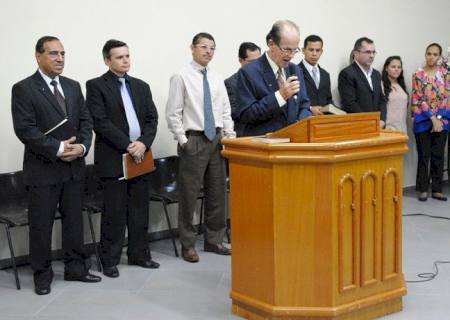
<point x="198" y="113"/>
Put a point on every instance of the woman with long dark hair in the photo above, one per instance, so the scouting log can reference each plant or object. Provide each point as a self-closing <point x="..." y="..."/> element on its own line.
<point x="394" y="89"/>
<point x="430" y="111"/>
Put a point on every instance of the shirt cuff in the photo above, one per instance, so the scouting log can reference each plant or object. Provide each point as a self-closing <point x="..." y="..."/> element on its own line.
<point x="60" y="150"/>
<point x="182" y="139"/>
<point x="280" y="100"/>
<point x="84" y="150"/>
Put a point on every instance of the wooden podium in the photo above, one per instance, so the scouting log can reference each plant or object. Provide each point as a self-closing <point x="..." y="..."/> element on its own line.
<point x="317" y="223"/>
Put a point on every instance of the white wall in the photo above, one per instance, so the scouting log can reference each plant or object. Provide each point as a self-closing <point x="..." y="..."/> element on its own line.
<point x="159" y="33"/>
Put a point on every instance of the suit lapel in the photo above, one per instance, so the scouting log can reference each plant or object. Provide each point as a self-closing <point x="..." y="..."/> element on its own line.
<point x="134" y="95"/>
<point x="362" y="76"/>
<point x="110" y="81"/>
<point x="43" y="88"/>
<point x="307" y="76"/>
<point x="268" y="75"/>
<point x="68" y="96"/>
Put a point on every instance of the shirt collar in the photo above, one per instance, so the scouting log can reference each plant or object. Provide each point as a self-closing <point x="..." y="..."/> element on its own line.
<point x="198" y="66"/>
<point x="126" y="76"/>
<point x="273" y="65"/>
<point x="309" y="66"/>
<point x="47" y="79"/>
<point x="368" y="73"/>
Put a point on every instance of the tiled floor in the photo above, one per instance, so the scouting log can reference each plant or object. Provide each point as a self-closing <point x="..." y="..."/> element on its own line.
<point x="180" y="290"/>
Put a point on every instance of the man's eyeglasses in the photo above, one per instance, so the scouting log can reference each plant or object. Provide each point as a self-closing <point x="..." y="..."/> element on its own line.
<point x="368" y="52"/>
<point x="205" y="47"/>
<point x="287" y="51"/>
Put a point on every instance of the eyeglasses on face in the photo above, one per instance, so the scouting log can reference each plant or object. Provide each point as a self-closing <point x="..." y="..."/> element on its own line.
<point x="205" y="47"/>
<point x="368" y="52"/>
<point x="287" y="51"/>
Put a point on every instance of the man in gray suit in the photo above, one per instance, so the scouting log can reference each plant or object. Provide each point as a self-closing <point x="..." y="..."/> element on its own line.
<point x="53" y="164"/>
<point x="248" y="51"/>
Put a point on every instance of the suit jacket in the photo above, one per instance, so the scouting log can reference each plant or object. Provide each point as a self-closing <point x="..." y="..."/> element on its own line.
<point x="321" y="96"/>
<point x="110" y="122"/>
<point x="356" y="94"/>
<point x="35" y="110"/>
<point x="258" y="107"/>
<point x="231" y="85"/>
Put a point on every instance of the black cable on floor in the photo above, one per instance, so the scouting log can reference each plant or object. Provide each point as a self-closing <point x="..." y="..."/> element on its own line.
<point x="427" y="276"/>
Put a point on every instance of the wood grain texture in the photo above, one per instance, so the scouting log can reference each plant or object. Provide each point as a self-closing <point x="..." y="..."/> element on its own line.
<point x="316" y="228"/>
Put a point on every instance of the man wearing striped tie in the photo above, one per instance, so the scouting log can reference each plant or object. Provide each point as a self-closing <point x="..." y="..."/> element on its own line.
<point x="198" y="113"/>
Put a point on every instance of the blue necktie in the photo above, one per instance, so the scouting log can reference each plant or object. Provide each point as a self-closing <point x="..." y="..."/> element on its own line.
<point x="210" y="126"/>
<point x="133" y="123"/>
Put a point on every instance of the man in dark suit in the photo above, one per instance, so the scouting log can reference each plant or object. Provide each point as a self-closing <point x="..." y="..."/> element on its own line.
<point x="359" y="84"/>
<point x="317" y="79"/>
<point x="248" y="51"/>
<point x="125" y="121"/>
<point x="271" y="90"/>
<point x="53" y="164"/>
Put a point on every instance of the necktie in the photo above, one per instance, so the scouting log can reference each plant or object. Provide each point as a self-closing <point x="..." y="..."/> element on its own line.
<point x="280" y="79"/>
<point x="210" y="126"/>
<point x="133" y="123"/>
<point x="59" y="97"/>
<point x="315" y="75"/>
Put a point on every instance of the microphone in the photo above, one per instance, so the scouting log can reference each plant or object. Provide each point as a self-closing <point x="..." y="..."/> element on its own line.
<point x="291" y="72"/>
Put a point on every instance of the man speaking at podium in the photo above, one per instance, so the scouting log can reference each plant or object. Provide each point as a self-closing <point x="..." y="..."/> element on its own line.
<point x="271" y="90"/>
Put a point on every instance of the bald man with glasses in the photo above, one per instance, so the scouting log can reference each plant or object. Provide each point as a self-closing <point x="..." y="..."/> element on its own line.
<point x="271" y="91"/>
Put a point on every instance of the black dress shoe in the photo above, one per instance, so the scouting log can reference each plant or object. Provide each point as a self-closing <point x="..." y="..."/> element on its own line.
<point x="149" y="264"/>
<point x="439" y="197"/>
<point x="217" y="248"/>
<point x="88" y="277"/>
<point x="111" y="272"/>
<point x="42" y="289"/>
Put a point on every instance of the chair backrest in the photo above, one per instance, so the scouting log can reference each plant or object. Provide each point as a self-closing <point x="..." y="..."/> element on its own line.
<point x="165" y="175"/>
<point x="12" y="186"/>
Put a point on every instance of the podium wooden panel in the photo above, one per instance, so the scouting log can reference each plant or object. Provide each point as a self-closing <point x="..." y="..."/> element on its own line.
<point x="316" y="226"/>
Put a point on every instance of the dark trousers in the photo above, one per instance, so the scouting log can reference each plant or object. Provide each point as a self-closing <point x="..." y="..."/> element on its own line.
<point x="43" y="203"/>
<point x="201" y="165"/>
<point x="126" y="203"/>
<point x="430" y="151"/>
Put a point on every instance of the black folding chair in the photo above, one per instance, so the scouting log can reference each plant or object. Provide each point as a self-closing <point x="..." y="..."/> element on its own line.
<point x="93" y="204"/>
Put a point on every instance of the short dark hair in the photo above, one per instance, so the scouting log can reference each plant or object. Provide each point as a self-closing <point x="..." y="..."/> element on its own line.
<point x="312" y="38"/>
<point x="247" y="46"/>
<point x="359" y="43"/>
<point x="111" y="44"/>
<point x="275" y="33"/>
<point x="40" y="43"/>
<point x="434" y="44"/>
<point x="201" y="35"/>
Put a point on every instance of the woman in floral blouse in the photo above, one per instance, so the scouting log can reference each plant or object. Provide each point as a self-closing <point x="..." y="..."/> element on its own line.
<point x="430" y="104"/>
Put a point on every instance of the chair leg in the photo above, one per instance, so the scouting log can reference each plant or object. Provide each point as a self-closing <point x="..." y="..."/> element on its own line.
<point x="13" y="257"/>
<point x="94" y="242"/>
<point x="200" y="223"/>
<point x="228" y="231"/>
<point x="169" y="224"/>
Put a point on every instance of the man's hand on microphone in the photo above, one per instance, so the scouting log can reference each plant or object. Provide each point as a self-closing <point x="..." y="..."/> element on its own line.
<point x="290" y="87"/>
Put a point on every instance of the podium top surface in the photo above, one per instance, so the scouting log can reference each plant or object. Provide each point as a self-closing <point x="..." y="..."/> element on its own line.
<point x="385" y="143"/>
<point x="332" y="128"/>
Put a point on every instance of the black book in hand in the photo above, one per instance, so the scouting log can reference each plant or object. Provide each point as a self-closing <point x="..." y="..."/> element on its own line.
<point x="62" y="131"/>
